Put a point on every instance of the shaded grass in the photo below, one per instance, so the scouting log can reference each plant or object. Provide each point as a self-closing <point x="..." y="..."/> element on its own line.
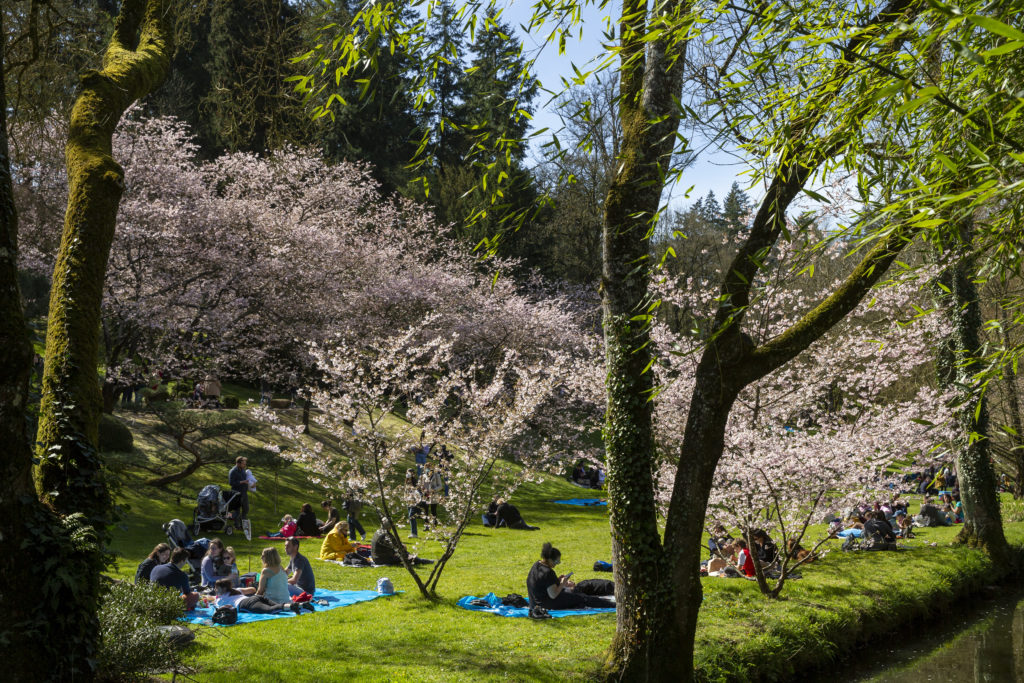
<point x="844" y="599"/>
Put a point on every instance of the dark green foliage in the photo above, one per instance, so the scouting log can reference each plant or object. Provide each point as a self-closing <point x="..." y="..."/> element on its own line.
<point x="230" y="402"/>
<point x="158" y="395"/>
<point x="132" y="648"/>
<point x="250" y="107"/>
<point x="115" y="436"/>
<point x="736" y="208"/>
<point x="377" y="121"/>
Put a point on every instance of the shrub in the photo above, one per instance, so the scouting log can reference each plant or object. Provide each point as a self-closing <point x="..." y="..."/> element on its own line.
<point x="230" y="402"/>
<point x="132" y="647"/>
<point x="115" y="435"/>
<point x="156" y="395"/>
<point x="180" y="389"/>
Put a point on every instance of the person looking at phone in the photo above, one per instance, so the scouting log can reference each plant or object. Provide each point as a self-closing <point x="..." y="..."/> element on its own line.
<point x="551" y="591"/>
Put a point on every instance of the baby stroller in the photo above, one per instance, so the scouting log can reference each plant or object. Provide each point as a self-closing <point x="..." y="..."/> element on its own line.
<point x="212" y="510"/>
<point x="178" y="537"/>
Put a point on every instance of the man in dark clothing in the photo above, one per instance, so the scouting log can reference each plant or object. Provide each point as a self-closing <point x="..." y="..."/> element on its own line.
<point x="171" y="576"/>
<point x="383" y="551"/>
<point x="507" y="515"/>
<point x="300" y="572"/>
<point x="240" y="485"/>
<point x="878" y="531"/>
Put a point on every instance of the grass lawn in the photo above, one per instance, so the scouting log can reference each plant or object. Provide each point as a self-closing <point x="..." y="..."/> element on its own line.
<point x="842" y="599"/>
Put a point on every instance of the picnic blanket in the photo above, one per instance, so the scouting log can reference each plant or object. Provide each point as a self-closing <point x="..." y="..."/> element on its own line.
<point x="581" y="501"/>
<point x="204" y="615"/>
<point x="847" y="533"/>
<point x="501" y="610"/>
<point x="354" y="566"/>
<point x="284" y="538"/>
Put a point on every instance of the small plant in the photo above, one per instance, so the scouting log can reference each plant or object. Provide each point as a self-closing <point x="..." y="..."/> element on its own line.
<point x="132" y="647"/>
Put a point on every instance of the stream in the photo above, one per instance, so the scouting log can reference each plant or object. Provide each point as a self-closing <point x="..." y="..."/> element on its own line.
<point x="983" y="645"/>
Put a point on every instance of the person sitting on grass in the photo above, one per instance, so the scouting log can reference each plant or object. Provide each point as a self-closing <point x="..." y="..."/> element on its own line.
<point x="878" y="532"/>
<point x="332" y="517"/>
<point x="547" y="590"/>
<point x="744" y="560"/>
<point x="288" y="528"/>
<point x="505" y="514"/>
<point x="209" y="570"/>
<point x="719" y="537"/>
<point x="307" y="522"/>
<point x="904" y="525"/>
<point x="764" y="546"/>
<point x="273" y="579"/>
<point x="300" y="579"/>
<point x="384" y="552"/>
<point x="336" y="544"/>
<point x="244" y="601"/>
<point x="160" y="555"/>
<point x="228" y="566"/>
<point x="171" y="576"/>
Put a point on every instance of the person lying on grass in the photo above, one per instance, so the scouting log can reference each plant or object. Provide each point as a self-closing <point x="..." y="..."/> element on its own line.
<point x="549" y="591"/>
<point x="243" y="600"/>
<point x="336" y="544"/>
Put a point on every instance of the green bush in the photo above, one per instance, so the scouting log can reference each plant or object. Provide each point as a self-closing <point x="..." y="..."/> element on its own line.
<point x="132" y="648"/>
<point x="180" y="389"/>
<point x="115" y="435"/>
<point x="160" y="395"/>
<point x="230" y="402"/>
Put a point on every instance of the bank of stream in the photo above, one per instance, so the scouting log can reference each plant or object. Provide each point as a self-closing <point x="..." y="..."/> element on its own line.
<point x="984" y="644"/>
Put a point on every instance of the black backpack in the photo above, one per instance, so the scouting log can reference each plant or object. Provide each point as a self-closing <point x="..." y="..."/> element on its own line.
<point x="226" y="615"/>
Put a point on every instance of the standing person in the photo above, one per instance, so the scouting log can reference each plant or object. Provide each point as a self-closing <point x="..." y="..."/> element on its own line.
<point x="332" y="517"/>
<point x="300" y="572"/>
<point x="420" y="454"/>
<point x="161" y="555"/>
<point x="435" y="491"/>
<point x="171" y="576"/>
<point x="239" y="483"/>
<point x="414" y="499"/>
<point x="352" y="507"/>
<point x="549" y="591"/>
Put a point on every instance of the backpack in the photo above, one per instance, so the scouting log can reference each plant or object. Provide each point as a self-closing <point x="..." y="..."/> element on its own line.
<point x="226" y="615"/>
<point x="355" y="560"/>
<point x="515" y="600"/>
<point x="602" y="566"/>
<point x="384" y="586"/>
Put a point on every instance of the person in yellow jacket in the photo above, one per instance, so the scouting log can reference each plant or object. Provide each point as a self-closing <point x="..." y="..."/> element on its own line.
<point x="336" y="544"/>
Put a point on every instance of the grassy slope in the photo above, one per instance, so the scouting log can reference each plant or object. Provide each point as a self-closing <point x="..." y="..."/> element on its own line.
<point x="843" y="598"/>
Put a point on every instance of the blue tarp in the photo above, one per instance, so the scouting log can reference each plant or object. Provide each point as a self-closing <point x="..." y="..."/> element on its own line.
<point x="581" y="501"/>
<point x="500" y="610"/>
<point x="846" y="533"/>
<point x="204" y="615"/>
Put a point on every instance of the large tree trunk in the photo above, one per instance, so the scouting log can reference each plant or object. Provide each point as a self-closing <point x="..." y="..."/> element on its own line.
<point x="983" y="525"/>
<point x="649" y="85"/>
<point x="1013" y="410"/>
<point x="52" y="635"/>
<point x="69" y="474"/>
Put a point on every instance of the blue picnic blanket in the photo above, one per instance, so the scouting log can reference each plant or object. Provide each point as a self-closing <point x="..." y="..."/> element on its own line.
<point x="204" y="615"/>
<point x="581" y="501"/>
<point x="501" y="610"/>
<point x="846" y="533"/>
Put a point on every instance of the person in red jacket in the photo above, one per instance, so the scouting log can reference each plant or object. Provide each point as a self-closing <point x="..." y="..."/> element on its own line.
<point x="743" y="559"/>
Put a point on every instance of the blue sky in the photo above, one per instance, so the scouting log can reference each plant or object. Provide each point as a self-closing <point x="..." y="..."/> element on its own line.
<point x="712" y="171"/>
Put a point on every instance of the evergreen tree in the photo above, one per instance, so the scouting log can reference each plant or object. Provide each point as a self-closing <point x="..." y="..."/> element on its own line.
<point x="710" y="212"/>
<point x="446" y="84"/>
<point x="735" y="208"/>
<point x="249" y="104"/>
<point x="377" y="121"/>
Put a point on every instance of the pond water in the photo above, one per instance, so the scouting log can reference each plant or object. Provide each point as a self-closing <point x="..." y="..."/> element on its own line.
<point x="983" y="645"/>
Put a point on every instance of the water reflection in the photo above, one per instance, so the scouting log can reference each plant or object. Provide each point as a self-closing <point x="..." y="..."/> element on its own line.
<point x="986" y="646"/>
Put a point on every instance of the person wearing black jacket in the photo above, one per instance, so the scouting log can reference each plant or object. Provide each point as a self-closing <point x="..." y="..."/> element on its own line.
<point x="307" y="522"/>
<point x="240" y="485"/>
<point x="501" y="513"/>
<point x="767" y="551"/>
<point x="878" y="530"/>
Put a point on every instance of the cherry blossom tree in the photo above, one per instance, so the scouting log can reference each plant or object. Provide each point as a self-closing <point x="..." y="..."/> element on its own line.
<point x="486" y="415"/>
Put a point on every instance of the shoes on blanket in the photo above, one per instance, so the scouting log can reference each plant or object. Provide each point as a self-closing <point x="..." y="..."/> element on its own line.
<point x="308" y="606"/>
<point x="295" y="607"/>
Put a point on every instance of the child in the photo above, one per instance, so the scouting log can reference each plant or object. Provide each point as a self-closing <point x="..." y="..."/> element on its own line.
<point x="743" y="560"/>
<point x="228" y="568"/>
<point x="288" y="528"/>
<point x="250" y="480"/>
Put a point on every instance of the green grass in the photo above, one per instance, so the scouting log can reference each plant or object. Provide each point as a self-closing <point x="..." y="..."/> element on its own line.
<point x="845" y="598"/>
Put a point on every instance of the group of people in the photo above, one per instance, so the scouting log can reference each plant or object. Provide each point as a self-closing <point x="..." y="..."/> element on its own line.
<point x="732" y="556"/>
<point x="425" y="485"/>
<point x="277" y="588"/>
<point x="588" y="476"/>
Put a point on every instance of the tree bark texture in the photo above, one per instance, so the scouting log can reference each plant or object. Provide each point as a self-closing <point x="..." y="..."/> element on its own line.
<point x="657" y="584"/>
<point x="651" y="80"/>
<point x="983" y="524"/>
<point x="52" y="635"/>
<point x="136" y="61"/>
<point x="1016" y="455"/>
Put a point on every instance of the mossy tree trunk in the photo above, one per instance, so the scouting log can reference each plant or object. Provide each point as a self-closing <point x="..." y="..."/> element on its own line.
<point x="1016" y="454"/>
<point x="657" y="583"/>
<point x="956" y="365"/>
<point x="136" y="61"/>
<point x="650" y="83"/>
